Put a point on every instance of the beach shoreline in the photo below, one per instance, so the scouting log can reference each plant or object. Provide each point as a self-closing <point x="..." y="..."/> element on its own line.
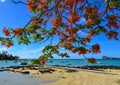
<point x="59" y="75"/>
<point x="11" y="78"/>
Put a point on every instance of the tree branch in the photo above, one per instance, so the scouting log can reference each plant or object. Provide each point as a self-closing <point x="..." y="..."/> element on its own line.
<point x="21" y="2"/>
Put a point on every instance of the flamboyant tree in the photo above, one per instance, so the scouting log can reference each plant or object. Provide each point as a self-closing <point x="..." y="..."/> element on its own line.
<point x="64" y="19"/>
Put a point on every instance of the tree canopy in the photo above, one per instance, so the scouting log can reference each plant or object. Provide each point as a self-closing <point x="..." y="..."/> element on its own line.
<point x="67" y="19"/>
<point x="5" y="56"/>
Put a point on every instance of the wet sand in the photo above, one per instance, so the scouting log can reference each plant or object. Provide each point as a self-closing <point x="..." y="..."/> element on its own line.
<point x="10" y="78"/>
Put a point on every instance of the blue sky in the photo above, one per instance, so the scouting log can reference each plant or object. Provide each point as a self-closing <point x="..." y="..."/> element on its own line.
<point x="12" y="15"/>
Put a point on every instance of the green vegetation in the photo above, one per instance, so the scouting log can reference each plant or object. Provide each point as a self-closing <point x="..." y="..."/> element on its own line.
<point x="35" y="61"/>
<point x="5" y="56"/>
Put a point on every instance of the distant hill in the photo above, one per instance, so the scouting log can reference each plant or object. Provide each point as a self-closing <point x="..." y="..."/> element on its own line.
<point x="109" y="58"/>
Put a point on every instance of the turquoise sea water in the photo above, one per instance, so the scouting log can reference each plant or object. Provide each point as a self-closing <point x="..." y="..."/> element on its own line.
<point x="11" y="63"/>
<point x="80" y="62"/>
<point x="66" y="62"/>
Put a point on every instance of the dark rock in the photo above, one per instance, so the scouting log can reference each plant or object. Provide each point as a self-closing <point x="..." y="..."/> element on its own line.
<point x="23" y="68"/>
<point x="33" y="68"/>
<point x="71" y="70"/>
<point x="6" y="69"/>
<point x="1" y="70"/>
<point x="46" y="70"/>
<point x="99" y="67"/>
<point x="25" y="72"/>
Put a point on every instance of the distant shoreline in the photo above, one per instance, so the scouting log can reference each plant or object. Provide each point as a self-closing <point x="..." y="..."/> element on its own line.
<point x="66" y="62"/>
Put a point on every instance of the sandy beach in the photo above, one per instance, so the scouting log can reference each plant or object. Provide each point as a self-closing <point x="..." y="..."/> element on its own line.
<point x="75" y="76"/>
<point x="83" y="77"/>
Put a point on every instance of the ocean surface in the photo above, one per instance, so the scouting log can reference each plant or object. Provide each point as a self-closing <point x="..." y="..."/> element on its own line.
<point x="65" y="62"/>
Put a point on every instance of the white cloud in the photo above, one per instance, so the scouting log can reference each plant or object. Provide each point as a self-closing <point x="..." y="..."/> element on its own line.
<point x="27" y="52"/>
<point x="33" y="53"/>
<point x="2" y="0"/>
<point x="3" y="49"/>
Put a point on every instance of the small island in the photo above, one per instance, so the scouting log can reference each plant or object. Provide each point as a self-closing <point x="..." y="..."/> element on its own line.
<point x="5" y="56"/>
<point x="109" y="58"/>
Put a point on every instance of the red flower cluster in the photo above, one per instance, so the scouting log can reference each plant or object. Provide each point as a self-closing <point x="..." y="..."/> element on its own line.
<point x="74" y="17"/>
<point x="30" y="5"/>
<point x="92" y="16"/>
<point x="83" y="51"/>
<point x="3" y="43"/>
<point x="71" y="31"/>
<point x="72" y="38"/>
<point x="88" y="38"/>
<point x="6" y="32"/>
<point x="79" y="51"/>
<point x="7" y="43"/>
<point x="112" y="21"/>
<point x="96" y="48"/>
<point x="92" y="60"/>
<point x="112" y="34"/>
<point x="56" y="22"/>
<point x="18" y="31"/>
<point x="73" y="50"/>
<point x="42" y="60"/>
<point x="72" y="1"/>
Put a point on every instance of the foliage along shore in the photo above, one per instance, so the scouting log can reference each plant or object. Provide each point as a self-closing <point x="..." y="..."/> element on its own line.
<point x="5" y="56"/>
